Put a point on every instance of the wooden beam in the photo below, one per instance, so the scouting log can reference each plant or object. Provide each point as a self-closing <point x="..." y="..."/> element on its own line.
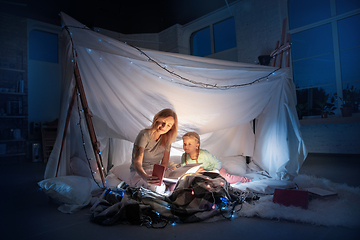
<point x="88" y="118"/>
<point x="282" y="41"/>
<point x="288" y="41"/>
<point x="274" y="56"/>
<point x="68" y="115"/>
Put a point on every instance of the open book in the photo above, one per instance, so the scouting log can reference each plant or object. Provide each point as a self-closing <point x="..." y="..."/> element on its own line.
<point x="174" y="175"/>
<point x="319" y="192"/>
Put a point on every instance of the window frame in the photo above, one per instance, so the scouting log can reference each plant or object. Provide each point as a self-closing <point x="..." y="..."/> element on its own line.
<point x="333" y="20"/>
<point x="212" y="38"/>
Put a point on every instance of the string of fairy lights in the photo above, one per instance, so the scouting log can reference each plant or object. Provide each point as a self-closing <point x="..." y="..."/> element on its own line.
<point x="187" y="81"/>
<point x="201" y="84"/>
<point x="81" y="111"/>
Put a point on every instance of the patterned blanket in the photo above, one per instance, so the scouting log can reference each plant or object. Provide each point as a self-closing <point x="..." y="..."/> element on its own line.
<point x="196" y="197"/>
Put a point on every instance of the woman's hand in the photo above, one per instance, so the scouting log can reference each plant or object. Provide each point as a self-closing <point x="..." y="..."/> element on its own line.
<point x="151" y="179"/>
<point x="139" y="155"/>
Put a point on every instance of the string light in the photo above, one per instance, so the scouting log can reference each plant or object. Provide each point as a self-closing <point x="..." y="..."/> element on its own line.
<point x="201" y="84"/>
<point x="83" y="140"/>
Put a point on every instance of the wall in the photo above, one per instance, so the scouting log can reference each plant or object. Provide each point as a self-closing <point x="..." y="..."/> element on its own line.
<point x="333" y="137"/>
<point x="258" y="28"/>
<point x="146" y="40"/>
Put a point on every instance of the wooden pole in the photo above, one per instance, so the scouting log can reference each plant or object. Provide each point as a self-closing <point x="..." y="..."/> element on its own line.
<point x="275" y="56"/>
<point x="282" y="42"/>
<point x="66" y="127"/>
<point x="288" y="41"/>
<point x="88" y="116"/>
<point x="284" y="47"/>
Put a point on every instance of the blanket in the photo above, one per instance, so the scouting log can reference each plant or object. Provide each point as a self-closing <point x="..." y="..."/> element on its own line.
<point x="196" y="197"/>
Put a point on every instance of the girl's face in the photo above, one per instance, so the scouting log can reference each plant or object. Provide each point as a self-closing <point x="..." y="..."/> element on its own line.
<point x="190" y="144"/>
<point x="165" y="124"/>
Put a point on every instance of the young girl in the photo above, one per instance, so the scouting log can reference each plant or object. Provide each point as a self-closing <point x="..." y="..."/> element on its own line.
<point x="152" y="146"/>
<point x="193" y="154"/>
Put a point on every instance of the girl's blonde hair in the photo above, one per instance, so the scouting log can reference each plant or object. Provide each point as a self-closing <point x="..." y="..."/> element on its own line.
<point x="170" y="136"/>
<point x="197" y="138"/>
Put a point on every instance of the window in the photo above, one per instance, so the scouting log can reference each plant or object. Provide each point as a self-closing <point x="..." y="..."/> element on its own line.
<point x="215" y="38"/>
<point x="43" y="46"/>
<point x="325" y="48"/>
<point x="201" y="43"/>
<point x="224" y="35"/>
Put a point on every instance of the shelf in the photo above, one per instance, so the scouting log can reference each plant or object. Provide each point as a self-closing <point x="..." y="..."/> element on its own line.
<point x="13" y="93"/>
<point x="13" y="155"/>
<point x="12" y="69"/>
<point x="48" y="135"/>
<point x="12" y="116"/>
<point x="13" y="140"/>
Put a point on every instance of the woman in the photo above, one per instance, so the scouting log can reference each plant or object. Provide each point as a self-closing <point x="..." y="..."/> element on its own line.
<point x="152" y="146"/>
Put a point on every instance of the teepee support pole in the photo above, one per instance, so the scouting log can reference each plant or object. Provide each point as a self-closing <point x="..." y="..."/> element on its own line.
<point x="273" y="63"/>
<point x="284" y="47"/>
<point x="88" y="116"/>
<point x="282" y="42"/>
<point x="288" y="41"/>
<point x="66" y="127"/>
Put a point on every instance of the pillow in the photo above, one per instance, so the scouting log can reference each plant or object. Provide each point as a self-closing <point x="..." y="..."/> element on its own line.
<point x="235" y="165"/>
<point x="122" y="172"/>
<point x="80" y="167"/>
<point x="73" y="192"/>
<point x="112" y="181"/>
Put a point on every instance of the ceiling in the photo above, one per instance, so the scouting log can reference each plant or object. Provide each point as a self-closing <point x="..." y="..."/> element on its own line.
<point x="124" y="16"/>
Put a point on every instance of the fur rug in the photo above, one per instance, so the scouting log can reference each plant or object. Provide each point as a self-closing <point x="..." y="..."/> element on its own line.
<point x="342" y="210"/>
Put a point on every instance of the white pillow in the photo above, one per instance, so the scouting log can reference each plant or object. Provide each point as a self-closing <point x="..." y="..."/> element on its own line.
<point x="74" y="192"/>
<point x="111" y="180"/>
<point x="122" y="172"/>
<point x="80" y="167"/>
<point x="235" y="165"/>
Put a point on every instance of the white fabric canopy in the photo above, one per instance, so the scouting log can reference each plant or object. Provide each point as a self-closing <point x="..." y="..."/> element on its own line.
<point x="125" y="89"/>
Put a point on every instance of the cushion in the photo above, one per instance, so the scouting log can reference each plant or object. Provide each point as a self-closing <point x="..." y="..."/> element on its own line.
<point x="80" y="167"/>
<point x="122" y="172"/>
<point x="73" y="192"/>
<point x="111" y="180"/>
<point x="235" y="165"/>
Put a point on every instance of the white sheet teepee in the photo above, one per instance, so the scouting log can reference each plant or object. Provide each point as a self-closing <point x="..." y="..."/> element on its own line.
<point x="125" y="87"/>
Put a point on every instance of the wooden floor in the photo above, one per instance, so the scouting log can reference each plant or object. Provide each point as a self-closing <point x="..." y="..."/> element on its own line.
<point x="27" y="213"/>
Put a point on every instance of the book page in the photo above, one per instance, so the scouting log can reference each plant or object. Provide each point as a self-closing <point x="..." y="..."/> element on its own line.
<point x="178" y="172"/>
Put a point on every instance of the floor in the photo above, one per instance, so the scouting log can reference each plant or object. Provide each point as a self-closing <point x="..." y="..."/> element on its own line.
<point x="27" y="213"/>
